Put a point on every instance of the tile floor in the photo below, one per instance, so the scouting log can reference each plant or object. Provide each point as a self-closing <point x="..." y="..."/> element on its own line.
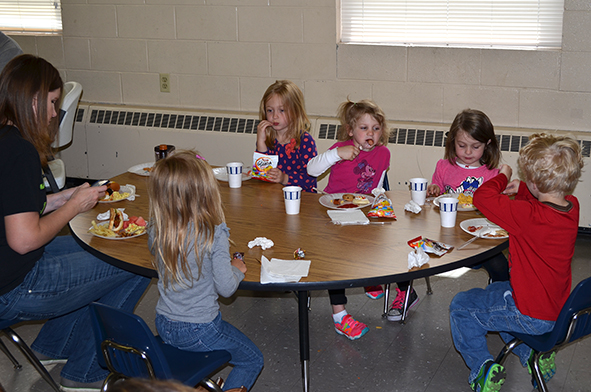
<point x="417" y="356"/>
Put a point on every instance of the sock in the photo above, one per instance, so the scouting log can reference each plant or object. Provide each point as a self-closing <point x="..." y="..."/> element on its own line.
<point x="338" y="317"/>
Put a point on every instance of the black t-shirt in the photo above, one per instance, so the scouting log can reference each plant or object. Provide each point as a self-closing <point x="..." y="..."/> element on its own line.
<point x="23" y="191"/>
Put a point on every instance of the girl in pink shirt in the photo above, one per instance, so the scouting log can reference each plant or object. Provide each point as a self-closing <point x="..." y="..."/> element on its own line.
<point x="472" y="156"/>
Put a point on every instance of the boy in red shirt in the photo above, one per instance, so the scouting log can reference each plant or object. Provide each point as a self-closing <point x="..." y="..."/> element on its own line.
<point x="542" y="222"/>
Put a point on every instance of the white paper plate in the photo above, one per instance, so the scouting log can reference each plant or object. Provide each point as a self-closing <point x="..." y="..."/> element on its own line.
<point x="221" y="174"/>
<point x="460" y="208"/>
<point x="122" y="189"/>
<point x="142" y="169"/>
<point x="485" y="224"/>
<point x="326" y="200"/>
<point x="113" y="238"/>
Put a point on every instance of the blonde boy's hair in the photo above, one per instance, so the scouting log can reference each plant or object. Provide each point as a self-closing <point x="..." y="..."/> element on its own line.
<point x="184" y="200"/>
<point x="350" y="112"/>
<point x="293" y="104"/>
<point x="552" y="163"/>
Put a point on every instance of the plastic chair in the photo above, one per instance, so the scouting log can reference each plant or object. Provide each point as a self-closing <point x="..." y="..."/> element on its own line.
<point x="55" y="172"/>
<point x="129" y="349"/>
<point x="27" y="352"/>
<point x="573" y="323"/>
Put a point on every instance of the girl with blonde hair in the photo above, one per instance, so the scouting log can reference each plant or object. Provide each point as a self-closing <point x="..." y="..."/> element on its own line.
<point x="189" y="239"/>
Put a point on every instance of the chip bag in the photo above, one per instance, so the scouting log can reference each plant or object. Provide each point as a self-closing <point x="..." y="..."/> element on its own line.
<point x="429" y="246"/>
<point x="262" y="163"/>
<point x="382" y="206"/>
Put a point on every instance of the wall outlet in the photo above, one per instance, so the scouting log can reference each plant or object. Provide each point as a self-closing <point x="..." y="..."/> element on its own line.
<point x="164" y="83"/>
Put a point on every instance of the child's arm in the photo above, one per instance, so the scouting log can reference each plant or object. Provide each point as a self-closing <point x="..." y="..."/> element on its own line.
<point x="324" y="161"/>
<point x="262" y="135"/>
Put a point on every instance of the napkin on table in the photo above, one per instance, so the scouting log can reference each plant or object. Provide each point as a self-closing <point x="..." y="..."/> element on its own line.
<point x="348" y="217"/>
<point x="281" y="271"/>
<point x="412" y="207"/>
<point x="263" y="242"/>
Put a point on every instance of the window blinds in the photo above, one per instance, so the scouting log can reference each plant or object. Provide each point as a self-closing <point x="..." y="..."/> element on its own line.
<point x="42" y="16"/>
<point x="518" y="24"/>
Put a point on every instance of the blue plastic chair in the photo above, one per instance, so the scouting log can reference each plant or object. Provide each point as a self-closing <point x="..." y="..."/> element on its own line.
<point x="573" y="323"/>
<point x="130" y="349"/>
<point x="27" y="352"/>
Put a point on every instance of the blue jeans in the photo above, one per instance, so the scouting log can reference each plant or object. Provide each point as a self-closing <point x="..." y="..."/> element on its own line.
<point x="475" y="312"/>
<point x="247" y="359"/>
<point x="59" y="288"/>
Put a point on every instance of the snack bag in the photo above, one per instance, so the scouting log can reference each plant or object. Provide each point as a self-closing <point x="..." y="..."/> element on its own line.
<point x="429" y="246"/>
<point x="262" y="163"/>
<point x="382" y="206"/>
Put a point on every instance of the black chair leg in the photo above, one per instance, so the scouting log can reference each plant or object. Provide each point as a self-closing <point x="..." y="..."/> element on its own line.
<point x="28" y="353"/>
<point x="4" y="349"/>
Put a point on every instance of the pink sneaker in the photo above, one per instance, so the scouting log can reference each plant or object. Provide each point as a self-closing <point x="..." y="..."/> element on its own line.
<point x="351" y="328"/>
<point x="374" y="292"/>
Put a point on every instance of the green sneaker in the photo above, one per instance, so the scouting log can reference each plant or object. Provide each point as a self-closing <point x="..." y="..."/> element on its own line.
<point x="490" y="378"/>
<point x="547" y="366"/>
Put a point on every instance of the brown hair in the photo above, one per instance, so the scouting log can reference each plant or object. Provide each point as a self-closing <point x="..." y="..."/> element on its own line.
<point x="23" y="80"/>
<point x="350" y="112"/>
<point x="476" y="124"/>
<point x="552" y="163"/>
<point x="293" y="104"/>
<point x="184" y="199"/>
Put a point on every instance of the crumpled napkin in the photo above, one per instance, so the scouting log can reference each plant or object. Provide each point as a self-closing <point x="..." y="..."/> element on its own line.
<point x="107" y="215"/>
<point x="281" y="271"/>
<point x="417" y="257"/>
<point x="348" y="217"/>
<point x="132" y="192"/>
<point x="412" y="207"/>
<point x="263" y="242"/>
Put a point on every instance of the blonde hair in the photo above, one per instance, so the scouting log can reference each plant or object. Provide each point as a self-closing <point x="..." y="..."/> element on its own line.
<point x="350" y="112"/>
<point x="184" y="200"/>
<point x="293" y="104"/>
<point x="476" y="124"/>
<point x="552" y="163"/>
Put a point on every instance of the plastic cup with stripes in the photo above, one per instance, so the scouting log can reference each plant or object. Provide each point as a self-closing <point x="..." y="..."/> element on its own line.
<point x="418" y="190"/>
<point x="234" y="170"/>
<point x="292" y="196"/>
<point x="448" y="210"/>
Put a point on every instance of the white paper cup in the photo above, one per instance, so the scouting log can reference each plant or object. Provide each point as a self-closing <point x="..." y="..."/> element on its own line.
<point x="234" y="170"/>
<point x="418" y="190"/>
<point x="292" y="196"/>
<point x="448" y="209"/>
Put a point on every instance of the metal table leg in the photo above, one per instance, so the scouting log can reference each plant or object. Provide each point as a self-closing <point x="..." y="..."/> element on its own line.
<point x="304" y="337"/>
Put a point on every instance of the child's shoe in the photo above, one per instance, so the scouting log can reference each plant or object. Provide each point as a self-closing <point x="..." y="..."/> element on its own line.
<point x="547" y="367"/>
<point x="351" y="328"/>
<point x="490" y="378"/>
<point x="374" y="292"/>
<point x="395" y="311"/>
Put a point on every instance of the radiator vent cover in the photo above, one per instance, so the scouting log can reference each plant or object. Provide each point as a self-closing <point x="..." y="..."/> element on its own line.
<point x="174" y="121"/>
<point x="437" y="138"/>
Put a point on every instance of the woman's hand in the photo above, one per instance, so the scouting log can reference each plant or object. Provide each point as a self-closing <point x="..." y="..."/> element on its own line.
<point x="262" y="135"/>
<point x="84" y="197"/>
<point x="433" y="190"/>
<point x="276" y="175"/>
<point x="348" y="153"/>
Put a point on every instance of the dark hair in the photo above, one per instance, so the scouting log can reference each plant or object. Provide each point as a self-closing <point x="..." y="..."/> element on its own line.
<point x="23" y="80"/>
<point x="476" y="124"/>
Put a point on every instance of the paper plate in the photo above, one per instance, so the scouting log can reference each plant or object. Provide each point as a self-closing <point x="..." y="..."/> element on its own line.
<point x="327" y="201"/>
<point x="106" y="224"/>
<point x="122" y="189"/>
<point x="460" y="208"/>
<point x="480" y="224"/>
<point x="142" y="169"/>
<point x="221" y="174"/>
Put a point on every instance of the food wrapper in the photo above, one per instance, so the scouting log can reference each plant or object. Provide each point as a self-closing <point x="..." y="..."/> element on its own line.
<point x="382" y="206"/>
<point x="430" y="246"/>
<point x="261" y="164"/>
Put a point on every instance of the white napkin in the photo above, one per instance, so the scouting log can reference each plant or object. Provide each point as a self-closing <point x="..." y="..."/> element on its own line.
<point x="107" y="215"/>
<point x="263" y="242"/>
<point x="132" y="192"/>
<point x="417" y="258"/>
<point x="348" y="217"/>
<point x="412" y="207"/>
<point x="281" y="271"/>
